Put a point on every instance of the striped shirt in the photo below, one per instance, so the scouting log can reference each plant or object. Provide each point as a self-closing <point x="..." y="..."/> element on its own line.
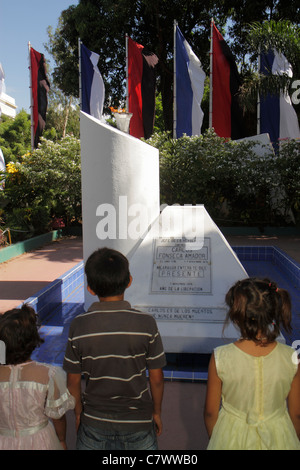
<point x="113" y="345"/>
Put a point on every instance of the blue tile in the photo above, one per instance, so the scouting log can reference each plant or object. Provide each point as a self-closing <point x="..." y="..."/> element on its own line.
<point x="63" y="299"/>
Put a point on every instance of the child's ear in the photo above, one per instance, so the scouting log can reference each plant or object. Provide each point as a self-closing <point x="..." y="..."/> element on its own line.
<point x="130" y="281"/>
<point x="90" y="290"/>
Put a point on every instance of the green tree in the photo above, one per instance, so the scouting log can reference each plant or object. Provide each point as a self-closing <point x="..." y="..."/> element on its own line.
<point x="243" y="14"/>
<point x="237" y="185"/>
<point x="62" y="116"/>
<point x="45" y="184"/>
<point x="102" y="24"/>
<point x="15" y="136"/>
<point x="283" y="36"/>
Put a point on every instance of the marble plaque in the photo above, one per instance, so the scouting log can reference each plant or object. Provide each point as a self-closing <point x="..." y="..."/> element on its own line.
<point x="181" y="267"/>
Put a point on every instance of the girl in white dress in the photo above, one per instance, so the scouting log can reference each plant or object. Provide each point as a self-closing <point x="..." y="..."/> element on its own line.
<point x="30" y="392"/>
<point x="256" y="378"/>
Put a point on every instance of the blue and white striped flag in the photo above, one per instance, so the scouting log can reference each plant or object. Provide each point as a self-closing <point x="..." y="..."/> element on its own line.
<point x="277" y="115"/>
<point x="189" y="89"/>
<point x="92" y="86"/>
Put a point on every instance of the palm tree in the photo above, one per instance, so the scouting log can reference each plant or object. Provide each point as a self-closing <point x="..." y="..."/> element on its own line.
<point x="282" y="36"/>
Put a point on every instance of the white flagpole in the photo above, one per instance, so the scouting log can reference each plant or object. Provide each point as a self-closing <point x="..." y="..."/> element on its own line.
<point x="127" y="84"/>
<point x="210" y="74"/>
<point x="174" y="84"/>
<point x="31" y="97"/>
<point x="80" y="86"/>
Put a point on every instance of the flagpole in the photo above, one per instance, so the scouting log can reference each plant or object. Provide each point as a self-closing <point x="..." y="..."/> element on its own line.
<point x="211" y="74"/>
<point x="127" y="85"/>
<point x="174" y="83"/>
<point x="80" y="86"/>
<point x="31" y="98"/>
<point x="258" y="99"/>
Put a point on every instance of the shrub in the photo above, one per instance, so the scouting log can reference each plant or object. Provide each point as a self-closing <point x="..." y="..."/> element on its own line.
<point x="236" y="185"/>
<point x="44" y="184"/>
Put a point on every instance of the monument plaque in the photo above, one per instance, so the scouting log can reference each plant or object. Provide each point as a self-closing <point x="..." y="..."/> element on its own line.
<point x="181" y="268"/>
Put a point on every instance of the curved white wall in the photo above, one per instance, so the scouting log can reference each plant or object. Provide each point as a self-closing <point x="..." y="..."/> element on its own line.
<point x="120" y="185"/>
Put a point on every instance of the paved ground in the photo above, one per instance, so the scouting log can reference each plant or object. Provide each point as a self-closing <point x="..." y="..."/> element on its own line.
<point x="25" y="275"/>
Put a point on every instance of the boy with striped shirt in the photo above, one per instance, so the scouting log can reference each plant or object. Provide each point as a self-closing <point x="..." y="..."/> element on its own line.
<point x="113" y="346"/>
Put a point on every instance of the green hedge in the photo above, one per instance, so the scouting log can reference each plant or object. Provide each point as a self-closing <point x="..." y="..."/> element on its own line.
<point x="237" y="186"/>
<point x="42" y="186"/>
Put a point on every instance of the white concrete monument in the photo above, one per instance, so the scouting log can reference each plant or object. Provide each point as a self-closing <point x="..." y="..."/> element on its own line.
<point x="182" y="266"/>
<point x="181" y="273"/>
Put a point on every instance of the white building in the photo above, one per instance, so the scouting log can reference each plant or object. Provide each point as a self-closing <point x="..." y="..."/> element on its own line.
<point x="7" y="103"/>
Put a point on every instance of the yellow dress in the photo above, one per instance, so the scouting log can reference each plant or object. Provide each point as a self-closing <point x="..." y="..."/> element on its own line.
<point x="254" y="413"/>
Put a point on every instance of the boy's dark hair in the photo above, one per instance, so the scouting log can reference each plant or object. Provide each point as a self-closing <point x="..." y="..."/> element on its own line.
<point x="258" y="306"/>
<point x="107" y="272"/>
<point x="19" y="332"/>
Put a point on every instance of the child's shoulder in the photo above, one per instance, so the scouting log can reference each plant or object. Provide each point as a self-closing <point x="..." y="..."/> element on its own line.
<point x="285" y="349"/>
<point x="224" y="351"/>
<point x="224" y="348"/>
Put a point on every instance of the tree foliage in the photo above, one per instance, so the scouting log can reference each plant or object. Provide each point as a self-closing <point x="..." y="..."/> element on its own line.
<point x="43" y="185"/>
<point x="62" y="116"/>
<point x="237" y="185"/>
<point x="284" y="37"/>
<point x="102" y="25"/>
<point x="15" y="136"/>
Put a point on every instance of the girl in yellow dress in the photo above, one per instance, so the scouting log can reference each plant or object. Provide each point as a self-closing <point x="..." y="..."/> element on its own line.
<point x="256" y="379"/>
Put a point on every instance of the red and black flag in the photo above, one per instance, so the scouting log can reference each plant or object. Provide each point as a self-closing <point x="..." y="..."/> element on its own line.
<point x="39" y="90"/>
<point x="227" y="115"/>
<point x="141" y="89"/>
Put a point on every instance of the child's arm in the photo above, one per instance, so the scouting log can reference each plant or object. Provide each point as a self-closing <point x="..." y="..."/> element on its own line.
<point x="60" y="426"/>
<point x="213" y="397"/>
<point x="74" y="386"/>
<point x="156" y="379"/>
<point x="294" y="402"/>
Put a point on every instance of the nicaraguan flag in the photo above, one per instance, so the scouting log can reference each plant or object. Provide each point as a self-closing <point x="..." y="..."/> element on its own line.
<point x="39" y="92"/>
<point x="277" y="115"/>
<point x="227" y="114"/>
<point x="189" y="89"/>
<point x="141" y="89"/>
<point x="92" y="86"/>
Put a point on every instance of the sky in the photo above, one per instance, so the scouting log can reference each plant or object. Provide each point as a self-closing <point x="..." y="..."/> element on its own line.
<point x="22" y="22"/>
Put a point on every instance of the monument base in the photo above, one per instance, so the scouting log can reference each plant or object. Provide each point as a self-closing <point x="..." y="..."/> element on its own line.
<point x="195" y="339"/>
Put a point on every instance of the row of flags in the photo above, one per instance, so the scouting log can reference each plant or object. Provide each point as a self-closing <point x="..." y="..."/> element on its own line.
<point x="276" y="114"/>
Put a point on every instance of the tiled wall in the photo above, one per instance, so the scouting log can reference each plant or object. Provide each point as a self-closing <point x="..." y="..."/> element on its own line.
<point x="63" y="299"/>
<point x="58" y="291"/>
<point x="289" y="268"/>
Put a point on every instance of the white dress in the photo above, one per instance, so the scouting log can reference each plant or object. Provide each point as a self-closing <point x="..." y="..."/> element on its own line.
<point x="30" y="394"/>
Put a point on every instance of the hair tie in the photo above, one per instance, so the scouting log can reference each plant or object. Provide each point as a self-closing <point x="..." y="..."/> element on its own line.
<point x="273" y="286"/>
